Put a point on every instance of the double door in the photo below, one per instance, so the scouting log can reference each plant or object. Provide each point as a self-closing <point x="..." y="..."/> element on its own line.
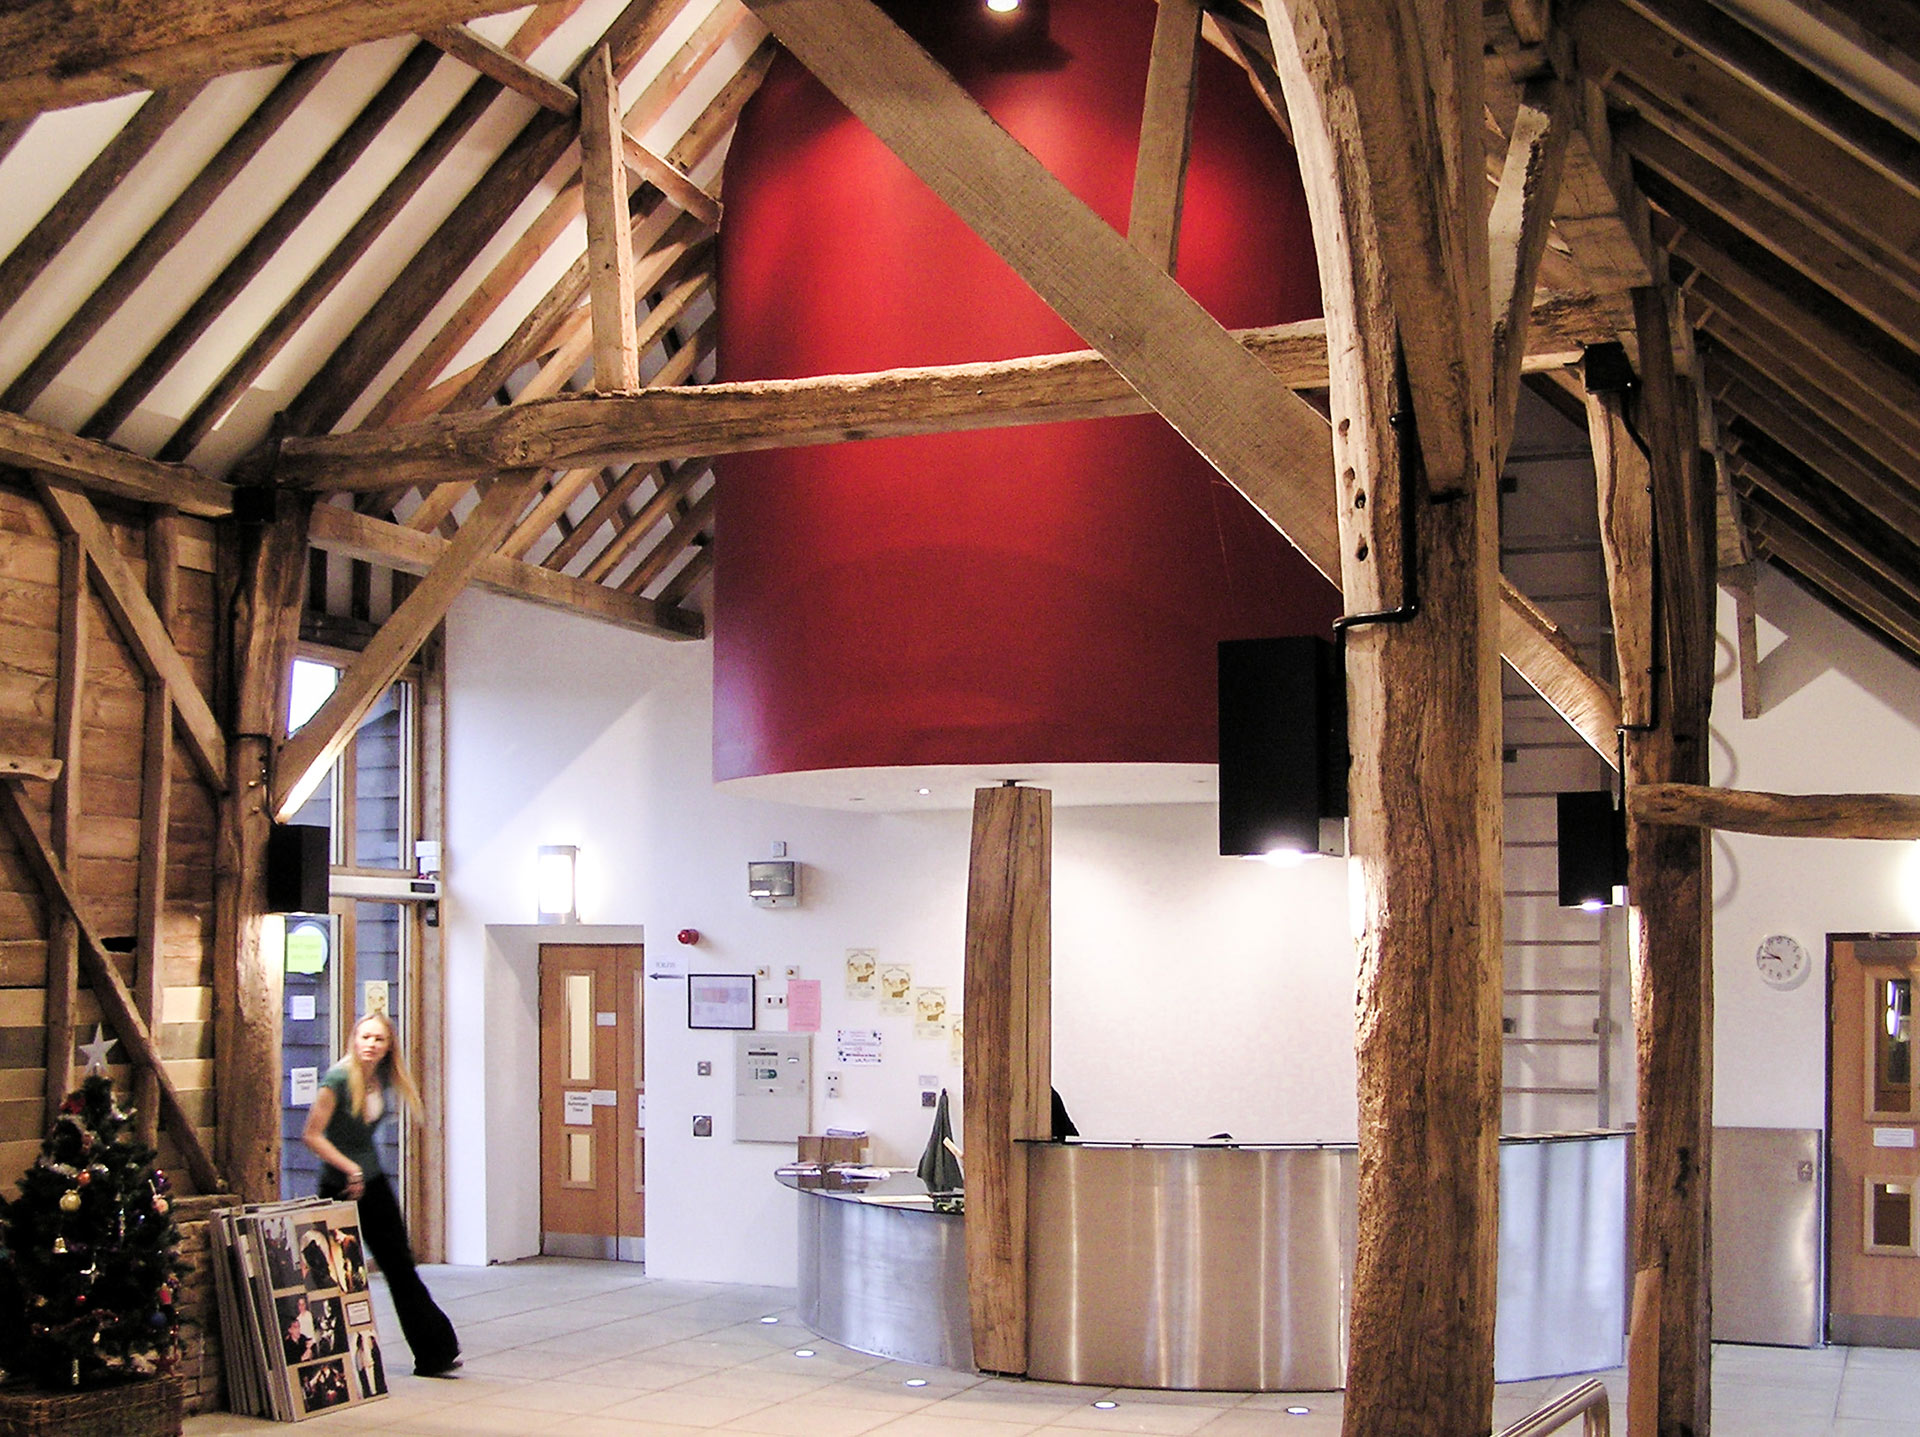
<point x="1874" y="1143"/>
<point x="592" y="1102"/>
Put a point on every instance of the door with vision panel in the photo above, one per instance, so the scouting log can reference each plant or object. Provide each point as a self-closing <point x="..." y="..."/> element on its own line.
<point x="592" y="1102"/>
<point x="1873" y="1120"/>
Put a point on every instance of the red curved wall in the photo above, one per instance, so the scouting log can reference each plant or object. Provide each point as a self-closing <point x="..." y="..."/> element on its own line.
<point x="1047" y="594"/>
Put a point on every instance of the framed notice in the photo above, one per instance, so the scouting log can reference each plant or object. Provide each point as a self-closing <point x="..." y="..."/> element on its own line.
<point x="720" y="1000"/>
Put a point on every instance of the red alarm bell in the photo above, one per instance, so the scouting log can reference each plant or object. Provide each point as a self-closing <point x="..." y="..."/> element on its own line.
<point x="689" y="936"/>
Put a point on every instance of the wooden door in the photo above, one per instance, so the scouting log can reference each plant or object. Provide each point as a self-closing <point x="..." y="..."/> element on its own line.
<point x="592" y="1102"/>
<point x="1873" y="1116"/>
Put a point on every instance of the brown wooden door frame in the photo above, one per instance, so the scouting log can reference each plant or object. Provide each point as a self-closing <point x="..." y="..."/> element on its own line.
<point x="607" y="1219"/>
<point x="1851" y="1163"/>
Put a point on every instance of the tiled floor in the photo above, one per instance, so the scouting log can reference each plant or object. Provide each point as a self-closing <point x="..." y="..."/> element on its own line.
<point x="597" y="1350"/>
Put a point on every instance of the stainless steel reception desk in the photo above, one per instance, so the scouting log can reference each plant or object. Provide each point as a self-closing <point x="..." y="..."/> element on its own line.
<point x="881" y="1271"/>
<point x="1214" y="1267"/>
<point x="1228" y="1268"/>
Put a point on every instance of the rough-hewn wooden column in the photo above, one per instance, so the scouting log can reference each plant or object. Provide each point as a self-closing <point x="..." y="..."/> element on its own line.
<point x="1669" y="876"/>
<point x="1385" y="113"/>
<point x="263" y="555"/>
<point x="1009" y="1055"/>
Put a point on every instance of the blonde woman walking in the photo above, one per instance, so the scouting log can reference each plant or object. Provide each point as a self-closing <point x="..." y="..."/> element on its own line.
<point x="356" y="1094"/>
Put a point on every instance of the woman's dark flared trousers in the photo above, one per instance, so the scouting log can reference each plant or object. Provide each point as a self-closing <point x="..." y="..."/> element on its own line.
<point x="384" y="1231"/>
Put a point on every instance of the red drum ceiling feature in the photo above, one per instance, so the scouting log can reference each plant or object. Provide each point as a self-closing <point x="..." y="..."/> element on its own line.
<point x="1046" y="594"/>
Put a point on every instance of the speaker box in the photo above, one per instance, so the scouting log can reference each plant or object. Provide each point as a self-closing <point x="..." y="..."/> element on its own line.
<point x="298" y="859"/>
<point x="1593" y="848"/>
<point x="1283" y="745"/>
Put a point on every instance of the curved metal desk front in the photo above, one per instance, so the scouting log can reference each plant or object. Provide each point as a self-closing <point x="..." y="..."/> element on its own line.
<point x="882" y="1272"/>
<point x="1214" y="1267"/>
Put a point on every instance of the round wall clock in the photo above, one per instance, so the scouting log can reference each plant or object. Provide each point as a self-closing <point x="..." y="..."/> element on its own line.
<point x="1782" y="962"/>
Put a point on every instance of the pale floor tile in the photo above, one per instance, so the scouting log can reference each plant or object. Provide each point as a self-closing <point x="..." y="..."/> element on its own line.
<point x="1138" y="1414"/>
<point x="603" y="1351"/>
<point x="688" y="1406"/>
<point x="928" y="1423"/>
<point x="811" y="1419"/>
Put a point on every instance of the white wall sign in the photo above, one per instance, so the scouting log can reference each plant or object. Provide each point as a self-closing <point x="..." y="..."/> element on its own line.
<point x="577" y="1109"/>
<point x="305" y="1082"/>
<point x="1893" y="1137"/>
<point x="300" y="1008"/>
<point x="858" y="1047"/>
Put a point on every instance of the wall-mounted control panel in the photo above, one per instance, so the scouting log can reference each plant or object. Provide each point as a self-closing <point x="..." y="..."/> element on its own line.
<point x="773" y="1087"/>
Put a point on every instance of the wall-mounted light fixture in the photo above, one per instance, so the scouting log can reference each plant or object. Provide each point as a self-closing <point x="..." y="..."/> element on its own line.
<point x="1592" y="842"/>
<point x="556" y="883"/>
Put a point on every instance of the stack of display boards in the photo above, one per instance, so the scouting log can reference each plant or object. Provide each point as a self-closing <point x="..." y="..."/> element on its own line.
<point x="295" y="1313"/>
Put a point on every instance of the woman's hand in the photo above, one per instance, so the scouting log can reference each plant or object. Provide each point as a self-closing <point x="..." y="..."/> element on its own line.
<point x="356" y="1183"/>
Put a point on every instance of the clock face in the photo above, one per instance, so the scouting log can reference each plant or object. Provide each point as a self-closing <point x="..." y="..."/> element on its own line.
<point x="1782" y="962"/>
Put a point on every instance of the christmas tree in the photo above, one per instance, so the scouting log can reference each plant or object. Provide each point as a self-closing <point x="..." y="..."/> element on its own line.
<point x="87" y="1259"/>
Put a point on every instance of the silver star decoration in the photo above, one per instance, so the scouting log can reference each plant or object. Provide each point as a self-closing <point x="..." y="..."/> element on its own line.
<point x="96" y="1051"/>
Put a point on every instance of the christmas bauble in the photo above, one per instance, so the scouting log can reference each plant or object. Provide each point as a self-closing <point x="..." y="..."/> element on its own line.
<point x="70" y="1201"/>
<point x="159" y="1204"/>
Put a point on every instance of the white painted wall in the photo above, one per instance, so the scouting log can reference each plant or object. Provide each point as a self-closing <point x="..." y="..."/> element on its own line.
<point x="1193" y="994"/>
<point x="1841" y="715"/>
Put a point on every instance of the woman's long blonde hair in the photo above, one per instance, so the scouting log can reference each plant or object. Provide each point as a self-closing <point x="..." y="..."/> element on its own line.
<point x="393" y="1069"/>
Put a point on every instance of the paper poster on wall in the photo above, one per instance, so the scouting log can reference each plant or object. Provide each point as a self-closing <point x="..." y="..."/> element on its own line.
<point x="373" y="997"/>
<point x="930" y="1012"/>
<point x="861" y="965"/>
<point x="896" y="989"/>
<point x="956" y="1040"/>
<point x="803" y="1005"/>
<point x="858" y="1047"/>
<point x="577" y="1109"/>
<point x="304" y="1084"/>
<point x="300" y="1008"/>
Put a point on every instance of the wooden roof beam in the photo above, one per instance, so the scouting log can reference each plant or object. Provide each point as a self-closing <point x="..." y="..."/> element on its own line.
<point x="1892" y="498"/>
<point x="1812" y="556"/>
<point x="1517" y="227"/>
<point x="501" y="65"/>
<point x="671" y="181"/>
<point x="1707" y="204"/>
<point x="1778" y="815"/>
<point x="616" y="363"/>
<point x="360" y="536"/>
<point x="1746" y="134"/>
<point x="727" y="418"/>
<point x="1812" y="101"/>
<point x="438" y="264"/>
<point x="1166" y="134"/>
<point x="686" y="528"/>
<point x="303" y="760"/>
<point x="109" y="469"/>
<point x="1820" y="513"/>
<point x="23" y="766"/>
<point x="80" y="200"/>
<point x="56" y="53"/>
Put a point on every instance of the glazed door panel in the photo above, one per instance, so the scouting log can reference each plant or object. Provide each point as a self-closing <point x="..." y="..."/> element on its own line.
<point x="1874" y="1143"/>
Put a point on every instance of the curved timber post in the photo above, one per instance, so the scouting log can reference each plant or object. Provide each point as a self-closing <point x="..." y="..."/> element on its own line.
<point x="1385" y="109"/>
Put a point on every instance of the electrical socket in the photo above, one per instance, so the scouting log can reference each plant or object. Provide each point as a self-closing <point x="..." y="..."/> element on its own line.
<point x="833" y="1084"/>
<point x="773" y="1000"/>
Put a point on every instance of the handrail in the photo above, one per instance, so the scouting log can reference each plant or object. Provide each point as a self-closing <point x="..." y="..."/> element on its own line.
<point x="1589" y="1399"/>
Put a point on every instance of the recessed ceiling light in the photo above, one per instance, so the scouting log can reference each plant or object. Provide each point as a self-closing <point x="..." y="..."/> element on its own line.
<point x="803" y="1352"/>
<point x="916" y="1382"/>
<point x="1003" y="7"/>
<point x="1299" y="1411"/>
<point x="924" y="792"/>
<point x="769" y="1319"/>
<point x="1106" y="1404"/>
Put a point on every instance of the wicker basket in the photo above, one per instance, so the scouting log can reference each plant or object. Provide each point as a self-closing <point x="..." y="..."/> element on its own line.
<point x="149" y="1408"/>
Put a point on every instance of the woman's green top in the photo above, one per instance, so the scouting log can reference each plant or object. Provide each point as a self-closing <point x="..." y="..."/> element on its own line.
<point x="353" y="1136"/>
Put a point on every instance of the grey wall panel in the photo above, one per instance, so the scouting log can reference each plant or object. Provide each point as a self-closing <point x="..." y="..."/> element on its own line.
<point x="1768" y="1253"/>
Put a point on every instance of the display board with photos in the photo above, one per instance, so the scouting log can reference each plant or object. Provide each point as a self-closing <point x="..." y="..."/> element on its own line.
<point x="295" y="1310"/>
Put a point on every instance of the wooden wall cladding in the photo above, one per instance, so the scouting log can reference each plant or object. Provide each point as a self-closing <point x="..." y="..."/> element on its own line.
<point x="108" y="830"/>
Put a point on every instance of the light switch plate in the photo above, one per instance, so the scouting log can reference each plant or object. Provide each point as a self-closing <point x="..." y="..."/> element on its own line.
<point x="704" y="1068"/>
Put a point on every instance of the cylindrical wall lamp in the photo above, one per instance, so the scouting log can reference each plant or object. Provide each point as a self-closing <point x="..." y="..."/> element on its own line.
<point x="556" y="883"/>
